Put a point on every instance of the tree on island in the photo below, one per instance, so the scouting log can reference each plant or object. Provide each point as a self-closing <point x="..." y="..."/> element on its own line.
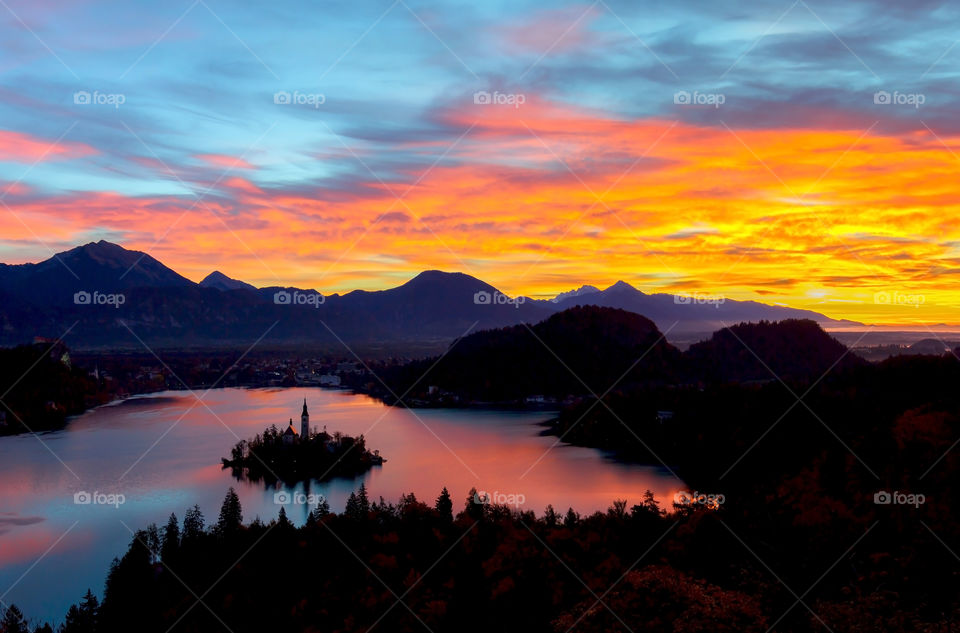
<point x="273" y="456"/>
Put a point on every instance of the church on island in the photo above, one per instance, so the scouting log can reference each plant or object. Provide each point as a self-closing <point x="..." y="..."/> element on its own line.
<point x="290" y="436"/>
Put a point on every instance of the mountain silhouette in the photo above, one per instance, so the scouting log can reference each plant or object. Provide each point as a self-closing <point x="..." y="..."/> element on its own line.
<point x="697" y="313"/>
<point x="101" y="266"/>
<point x="162" y="308"/>
<point x="218" y="280"/>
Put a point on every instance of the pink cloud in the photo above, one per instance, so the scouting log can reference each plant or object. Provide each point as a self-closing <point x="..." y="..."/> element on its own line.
<point x="224" y="162"/>
<point x="551" y="31"/>
<point x="24" y="148"/>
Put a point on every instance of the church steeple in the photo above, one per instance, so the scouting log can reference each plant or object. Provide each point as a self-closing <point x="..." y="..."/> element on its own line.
<point x="304" y="422"/>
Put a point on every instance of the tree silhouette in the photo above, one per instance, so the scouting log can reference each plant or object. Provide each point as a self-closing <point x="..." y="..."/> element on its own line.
<point x="444" y="504"/>
<point x="82" y="618"/>
<point x="231" y="515"/>
<point x="171" y="538"/>
<point x="13" y="621"/>
<point x="193" y="524"/>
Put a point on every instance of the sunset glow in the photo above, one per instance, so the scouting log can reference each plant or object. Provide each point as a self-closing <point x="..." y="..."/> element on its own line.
<point x="803" y="187"/>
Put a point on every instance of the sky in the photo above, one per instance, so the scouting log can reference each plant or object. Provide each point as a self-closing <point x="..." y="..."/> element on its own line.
<point x="800" y="153"/>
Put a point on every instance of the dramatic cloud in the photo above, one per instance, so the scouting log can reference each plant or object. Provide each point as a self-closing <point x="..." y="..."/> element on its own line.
<point x="805" y="157"/>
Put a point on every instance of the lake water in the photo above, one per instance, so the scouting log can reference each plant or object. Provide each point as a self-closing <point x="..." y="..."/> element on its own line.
<point x="164" y="456"/>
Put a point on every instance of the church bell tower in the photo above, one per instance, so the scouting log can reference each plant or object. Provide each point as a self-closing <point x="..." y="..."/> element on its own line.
<point x="304" y="422"/>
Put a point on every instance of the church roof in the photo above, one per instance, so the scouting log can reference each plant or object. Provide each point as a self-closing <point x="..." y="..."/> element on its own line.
<point x="290" y="430"/>
<point x="304" y="407"/>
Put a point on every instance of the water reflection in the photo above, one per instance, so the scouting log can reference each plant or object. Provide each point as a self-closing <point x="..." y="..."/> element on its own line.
<point x="162" y="454"/>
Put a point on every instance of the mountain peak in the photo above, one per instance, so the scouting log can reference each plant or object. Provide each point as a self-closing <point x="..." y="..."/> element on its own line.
<point x="102" y="248"/>
<point x="218" y="280"/>
<point x="435" y="277"/>
<point x="105" y="264"/>
<point x="579" y="292"/>
<point x="620" y="285"/>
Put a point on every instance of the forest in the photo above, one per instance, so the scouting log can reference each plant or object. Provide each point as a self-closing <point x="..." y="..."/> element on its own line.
<point x="839" y="481"/>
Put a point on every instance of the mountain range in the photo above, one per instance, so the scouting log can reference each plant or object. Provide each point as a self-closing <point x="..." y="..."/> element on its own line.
<point x="106" y="296"/>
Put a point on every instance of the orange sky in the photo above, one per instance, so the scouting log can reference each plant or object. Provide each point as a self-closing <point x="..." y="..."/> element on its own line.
<point x="848" y="222"/>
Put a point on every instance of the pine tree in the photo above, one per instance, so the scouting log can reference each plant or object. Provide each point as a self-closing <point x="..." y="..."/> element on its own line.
<point x="83" y="617"/>
<point x="475" y="505"/>
<point x="171" y="538"/>
<point x="358" y="504"/>
<point x="444" y="504"/>
<point x="550" y="516"/>
<point x="362" y="499"/>
<point x="322" y="509"/>
<point x="13" y="621"/>
<point x="193" y="524"/>
<point x="153" y="541"/>
<point x="231" y="514"/>
<point x="282" y="521"/>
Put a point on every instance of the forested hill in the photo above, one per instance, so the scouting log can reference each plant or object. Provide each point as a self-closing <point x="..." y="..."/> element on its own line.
<point x="581" y="350"/>
<point x="589" y="350"/>
<point x="795" y="349"/>
<point x="40" y="387"/>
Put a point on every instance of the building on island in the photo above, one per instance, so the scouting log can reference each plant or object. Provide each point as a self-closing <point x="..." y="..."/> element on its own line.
<point x="290" y="436"/>
<point x="305" y="422"/>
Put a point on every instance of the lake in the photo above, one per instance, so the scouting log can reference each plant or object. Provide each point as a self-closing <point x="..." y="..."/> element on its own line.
<point x="158" y="455"/>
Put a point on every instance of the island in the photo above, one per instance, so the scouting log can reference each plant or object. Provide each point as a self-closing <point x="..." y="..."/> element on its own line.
<point x="293" y="456"/>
